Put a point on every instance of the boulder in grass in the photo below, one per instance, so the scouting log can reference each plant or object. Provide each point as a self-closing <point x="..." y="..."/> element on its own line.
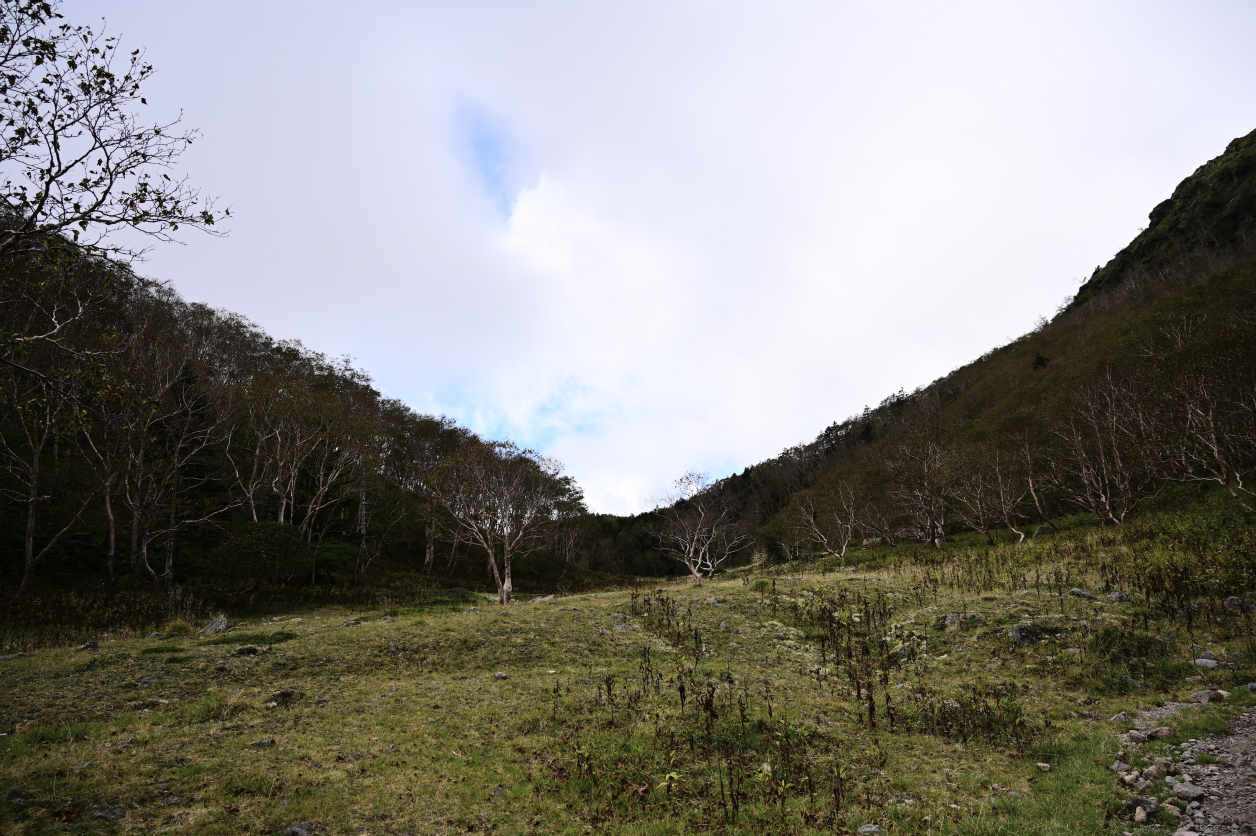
<point x="110" y="813"/>
<point x="871" y="830"/>
<point x="1150" y="805"/>
<point x="1206" y="696"/>
<point x="1081" y="593"/>
<point x="1119" y="597"/>
<point x="217" y="626"/>
<point x="1161" y="732"/>
<point x="1210" y="664"/>
<point x="1024" y="634"/>
<point x="1234" y="602"/>
<point x="1121" y="718"/>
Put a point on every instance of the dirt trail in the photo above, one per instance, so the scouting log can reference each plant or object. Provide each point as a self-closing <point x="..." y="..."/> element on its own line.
<point x="1232" y="783"/>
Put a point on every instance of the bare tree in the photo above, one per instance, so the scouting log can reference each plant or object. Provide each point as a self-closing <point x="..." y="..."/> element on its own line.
<point x="700" y="526"/>
<point x="828" y="516"/>
<point x="1110" y="439"/>
<point x="502" y="498"/>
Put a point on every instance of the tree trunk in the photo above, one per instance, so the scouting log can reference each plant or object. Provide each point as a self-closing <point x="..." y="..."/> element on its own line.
<point x="111" y="545"/>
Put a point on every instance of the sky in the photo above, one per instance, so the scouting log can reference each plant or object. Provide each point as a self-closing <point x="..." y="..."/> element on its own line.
<point x="649" y="237"/>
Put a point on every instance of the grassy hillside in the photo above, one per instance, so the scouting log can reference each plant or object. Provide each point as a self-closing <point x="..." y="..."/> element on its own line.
<point x="801" y="700"/>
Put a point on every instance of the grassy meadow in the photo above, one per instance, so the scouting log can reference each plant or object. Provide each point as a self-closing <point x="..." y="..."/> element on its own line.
<point x="809" y="698"/>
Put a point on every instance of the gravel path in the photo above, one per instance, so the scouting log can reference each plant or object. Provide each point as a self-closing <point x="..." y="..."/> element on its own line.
<point x="1230" y="807"/>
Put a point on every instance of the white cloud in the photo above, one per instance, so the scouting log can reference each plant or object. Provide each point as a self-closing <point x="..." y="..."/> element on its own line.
<point x="652" y="237"/>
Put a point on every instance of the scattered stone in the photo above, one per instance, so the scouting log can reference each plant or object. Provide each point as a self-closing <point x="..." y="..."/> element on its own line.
<point x="89" y="765"/>
<point x="1132" y="682"/>
<point x="1081" y="593"/>
<point x="249" y="650"/>
<point x="1133" y="805"/>
<point x="1251" y="687"/>
<point x="1136" y="737"/>
<point x="1045" y="767"/>
<point x="1073" y="651"/>
<point x="1234" y="602"/>
<point x="473" y="609"/>
<point x="871" y="830"/>
<point x="110" y="814"/>
<point x="285" y="696"/>
<point x="952" y="621"/>
<point x="1120" y="766"/>
<point x="171" y="799"/>
<point x="542" y="599"/>
<point x="388" y="619"/>
<point x="501" y="675"/>
<point x="1119" y="597"/>
<point x="156" y="634"/>
<point x="144" y="681"/>
<point x="724" y="626"/>
<point x="1024" y="634"/>
<point x="88" y="646"/>
<point x="353" y="622"/>
<point x="218" y="625"/>
<point x="625" y="628"/>
<point x="1207" y="654"/>
<point x="1185" y="790"/>
<point x="1161" y="732"/>
<point x="262" y="744"/>
<point x="1121" y="718"/>
<point x="302" y="829"/>
<point x="148" y="704"/>
<point x="224" y="665"/>
<point x="1210" y="664"/>
<point x="1140" y="815"/>
<point x="1206" y="696"/>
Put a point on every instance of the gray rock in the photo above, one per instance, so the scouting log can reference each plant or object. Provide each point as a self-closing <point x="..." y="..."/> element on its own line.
<point x="302" y="829"/>
<point x="1119" y="597"/>
<point x="154" y="635"/>
<point x="1210" y="664"/>
<point x="1161" y="732"/>
<point x="542" y="599"/>
<point x="87" y="646"/>
<point x="1132" y="682"/>
<point x="1024" y="634"/>
<point x="952" y="621"/>
<point x="1120" y="766"/>
<point x="1206" y="696"/>
<point x="248" y="650"/>
<point x="388" y="619"/>
<point x="1136" y="737"/>
<point x="1081" y="593"/>
<point x="352" y="622"/>
<point x="145" y="680"/>
<point x="1251" y="687"/>
<point x="110" y="814"/>
<point x="1132" y="804"/>
<point x="724" y="626"/>
<point x="1122" y="718"/>
<point x="263" y="743"/>
<point x="501" y="675"/>
<point x="285" y="696"/>
<point x="16" y="792"/>
<point x="871" y="830"/>
<point x="625" y="628"/>
<point x="218" y="625"/>
<point x="1187" y="791"/>
<point x="1234" y="602"/>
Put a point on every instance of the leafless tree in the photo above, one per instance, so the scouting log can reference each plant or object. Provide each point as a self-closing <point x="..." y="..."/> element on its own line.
<point x="700" y="526"/>
<point x="1110" y="440"/>
<point x="502" y="498"/>
<point x="828" y="516"/>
